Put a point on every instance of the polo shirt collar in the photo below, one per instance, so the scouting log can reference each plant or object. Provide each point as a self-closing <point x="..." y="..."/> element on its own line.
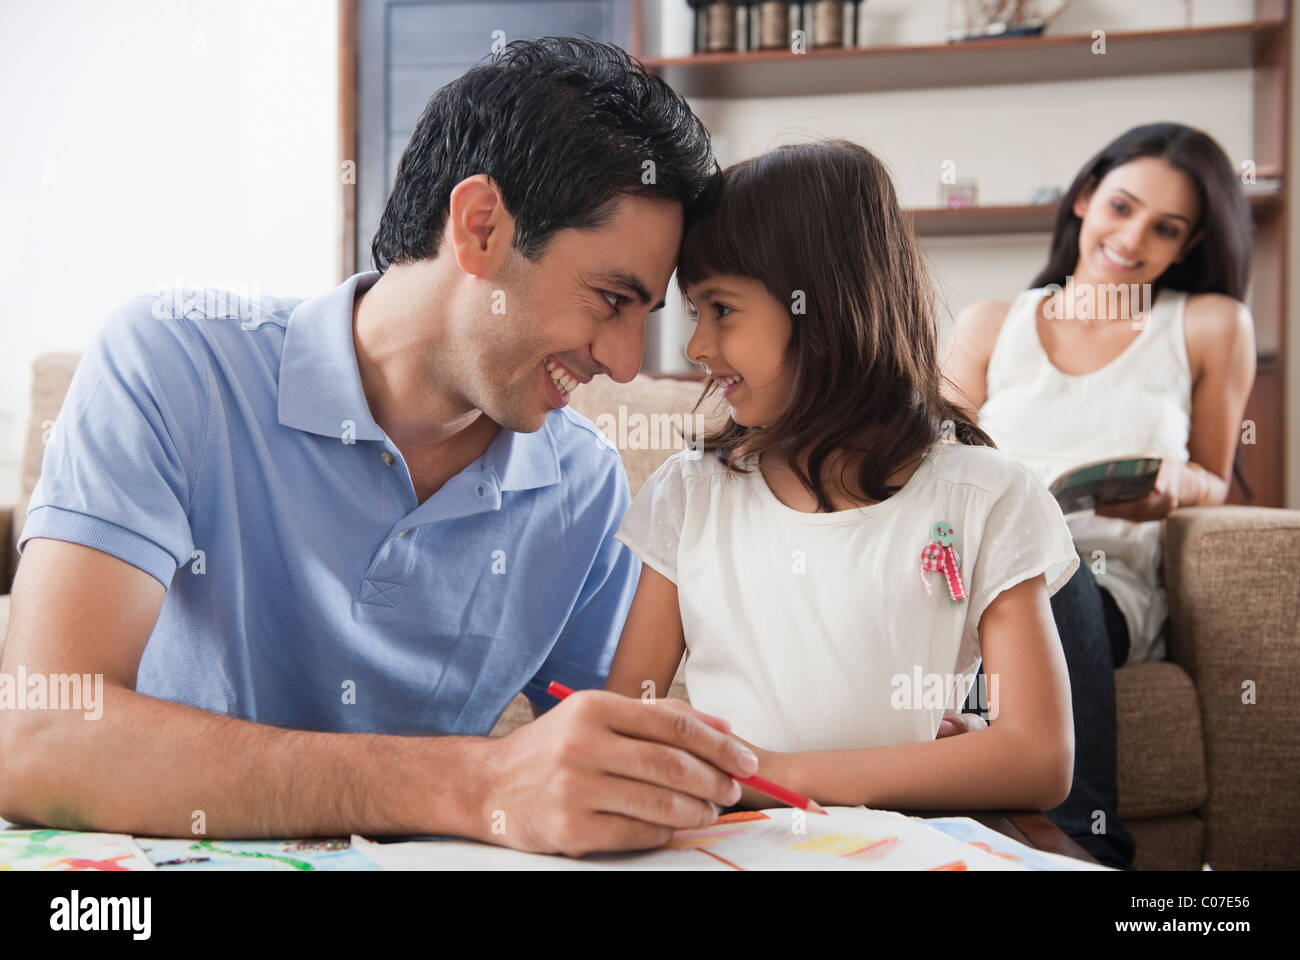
<point x="320" y="389"/>
<point x="525" y="460"/>
<point x="320" y="384"/>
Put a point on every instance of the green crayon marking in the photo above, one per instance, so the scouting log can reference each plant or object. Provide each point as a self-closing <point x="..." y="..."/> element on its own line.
<point x="208" y="846"/>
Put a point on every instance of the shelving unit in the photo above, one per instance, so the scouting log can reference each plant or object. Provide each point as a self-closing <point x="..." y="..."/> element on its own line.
<point x="1029" y="218"/>
<point x="780" y="73"/>
<point x="1262" y="45"/>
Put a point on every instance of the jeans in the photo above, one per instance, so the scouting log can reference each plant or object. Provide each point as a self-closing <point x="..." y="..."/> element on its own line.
<point x="1095" y="640"/>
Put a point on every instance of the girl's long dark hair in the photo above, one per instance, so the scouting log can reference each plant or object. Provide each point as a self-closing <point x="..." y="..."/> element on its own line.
<point x="1220" y="260"/>
<point x="819" y="225"/>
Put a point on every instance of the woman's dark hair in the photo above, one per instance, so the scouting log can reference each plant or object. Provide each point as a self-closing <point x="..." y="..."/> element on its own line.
<point x="1220" y="260"/>
<point x="563" y="125"/>
<point x="819" y="226"/>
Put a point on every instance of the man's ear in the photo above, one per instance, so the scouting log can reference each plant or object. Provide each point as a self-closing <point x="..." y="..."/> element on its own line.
<point x="479" y="228"/>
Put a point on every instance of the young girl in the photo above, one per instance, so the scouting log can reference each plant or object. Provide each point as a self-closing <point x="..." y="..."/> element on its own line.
<point x="838" y="557"/>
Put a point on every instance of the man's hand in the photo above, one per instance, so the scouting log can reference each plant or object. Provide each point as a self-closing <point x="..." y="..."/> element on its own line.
<point x="604" y="772"/>
<point x="770" y="767"/>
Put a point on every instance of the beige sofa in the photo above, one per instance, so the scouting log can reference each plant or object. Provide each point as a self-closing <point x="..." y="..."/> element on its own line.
<point x="1206" y="773"/>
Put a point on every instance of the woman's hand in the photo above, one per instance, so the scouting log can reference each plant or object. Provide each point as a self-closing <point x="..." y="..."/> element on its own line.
<point x="1157" y="504"/>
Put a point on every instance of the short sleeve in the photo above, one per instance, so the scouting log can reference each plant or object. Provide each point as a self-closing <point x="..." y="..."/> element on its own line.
<point x="584" y="652"/>
<point x="1024" y="535"/>
<point x="652" y="526"/>
<point x="122" y="457"/>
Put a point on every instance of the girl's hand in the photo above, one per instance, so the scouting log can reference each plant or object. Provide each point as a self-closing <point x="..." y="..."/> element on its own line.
<point x="1157" y="504"/>
<point x="954" y="723"/>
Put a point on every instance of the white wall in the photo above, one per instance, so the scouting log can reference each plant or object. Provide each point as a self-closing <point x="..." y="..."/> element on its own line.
<point x="151" y="142"/>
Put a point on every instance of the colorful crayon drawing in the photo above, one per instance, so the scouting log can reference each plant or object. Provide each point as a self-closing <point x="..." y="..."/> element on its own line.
<point x="84" y="863"/>
<point x="695" y="839"/>
<point x="875" y="849"/>
<point x="742" y="816"/>
<point x="995" y="844"/>
<point x="849" y="845"/>
<point x="301" y="855"/>
<point x="69" y="850"/>
<point x="987" y="849"/>
<point x="780" y="838"/>
<point x="783" y="839"/>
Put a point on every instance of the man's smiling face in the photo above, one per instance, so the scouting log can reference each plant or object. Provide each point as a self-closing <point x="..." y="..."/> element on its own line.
<point x="536" y="331"/>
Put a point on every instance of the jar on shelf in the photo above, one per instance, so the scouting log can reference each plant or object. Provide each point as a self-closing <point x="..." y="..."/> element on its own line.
<point x="827" y="23"/>
<point x="773" y="24"/>
<point x="715" y="25"/>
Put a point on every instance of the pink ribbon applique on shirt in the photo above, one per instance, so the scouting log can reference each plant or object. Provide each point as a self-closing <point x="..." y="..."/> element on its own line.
<point x="939" y="555"/>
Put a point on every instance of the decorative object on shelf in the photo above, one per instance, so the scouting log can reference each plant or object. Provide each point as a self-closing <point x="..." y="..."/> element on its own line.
<point x="1045" y="195"/>
<point x="959" y="195"/>
<point x="773" y="25"/>
<point x="715" y="21"/>
<point x="745" y="25"/>
<point x="828" y="23"/>
<point x="977" y="19"/>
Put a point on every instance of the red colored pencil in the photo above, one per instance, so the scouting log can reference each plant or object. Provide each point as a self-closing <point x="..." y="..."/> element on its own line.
<point x="774" y="790"/>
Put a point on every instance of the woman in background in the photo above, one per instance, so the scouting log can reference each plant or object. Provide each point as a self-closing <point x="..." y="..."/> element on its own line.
<point x="1132" y="340"/>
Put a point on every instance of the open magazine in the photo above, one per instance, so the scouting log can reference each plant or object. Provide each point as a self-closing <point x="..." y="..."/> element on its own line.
<point x="1105" y="481"/>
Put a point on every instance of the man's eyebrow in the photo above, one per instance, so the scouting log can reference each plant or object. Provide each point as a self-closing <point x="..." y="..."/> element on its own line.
<point x="629" y="281"/>
<point x="1175" y="216"/>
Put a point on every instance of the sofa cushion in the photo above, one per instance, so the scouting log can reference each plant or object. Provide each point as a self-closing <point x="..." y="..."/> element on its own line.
<point x="51" y="376"/>
<point x="1158" y="740"/>
<point x="641" y="418"/>
<point x="1234" y="600"/>
<point x="1168" y="843"/>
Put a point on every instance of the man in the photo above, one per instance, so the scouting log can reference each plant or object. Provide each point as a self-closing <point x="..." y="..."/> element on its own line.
<point x="315" y="555"/>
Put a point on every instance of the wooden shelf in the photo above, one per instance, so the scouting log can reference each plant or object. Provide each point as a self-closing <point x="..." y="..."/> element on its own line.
<point x="1028" y="218"/>
<point x="773" y="73"/>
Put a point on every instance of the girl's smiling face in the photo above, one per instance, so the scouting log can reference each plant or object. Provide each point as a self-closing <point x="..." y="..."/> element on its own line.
<point x="741" y="331"/>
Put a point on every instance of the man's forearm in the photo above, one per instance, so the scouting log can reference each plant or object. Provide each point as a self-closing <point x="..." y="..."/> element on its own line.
<point x="984" y="769"/>
<point x="155" y="768"/>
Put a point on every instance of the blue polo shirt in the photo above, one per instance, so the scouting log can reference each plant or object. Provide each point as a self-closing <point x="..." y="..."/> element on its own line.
<point x="224" y="446"/>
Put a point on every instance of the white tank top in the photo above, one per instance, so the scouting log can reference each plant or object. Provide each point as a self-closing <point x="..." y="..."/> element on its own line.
<point x="1139" y="403"/>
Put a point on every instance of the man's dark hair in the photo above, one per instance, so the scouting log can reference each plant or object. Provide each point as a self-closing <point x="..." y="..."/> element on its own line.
<point x="563" y="125"/>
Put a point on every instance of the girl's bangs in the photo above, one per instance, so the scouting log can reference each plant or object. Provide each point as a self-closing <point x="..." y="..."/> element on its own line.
<point x="729" y="236"/>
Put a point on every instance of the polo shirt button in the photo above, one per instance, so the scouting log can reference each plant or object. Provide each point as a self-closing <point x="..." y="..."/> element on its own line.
<point x="404" y="533"/>
<point x="387" y="458"/>
<point x="480" y="490"/>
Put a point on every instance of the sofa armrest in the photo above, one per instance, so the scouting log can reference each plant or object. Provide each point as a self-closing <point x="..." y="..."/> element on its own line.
<point x="1234" y="607"/>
